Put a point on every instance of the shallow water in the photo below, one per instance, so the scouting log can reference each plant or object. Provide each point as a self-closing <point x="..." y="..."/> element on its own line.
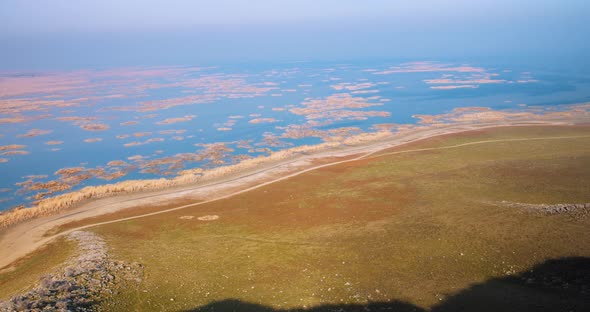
<point x="146" y="117"/>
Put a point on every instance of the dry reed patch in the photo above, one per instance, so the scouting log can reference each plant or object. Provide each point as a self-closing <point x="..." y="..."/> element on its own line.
<point x="493" y="133"/>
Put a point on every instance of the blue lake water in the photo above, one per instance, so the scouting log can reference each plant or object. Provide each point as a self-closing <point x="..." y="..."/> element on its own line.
<point x="143" y="116"/>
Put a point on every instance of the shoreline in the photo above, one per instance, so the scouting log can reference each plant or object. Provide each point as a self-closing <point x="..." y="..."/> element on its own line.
<point x="462" y="117"/>
<point x="26" y="237"/>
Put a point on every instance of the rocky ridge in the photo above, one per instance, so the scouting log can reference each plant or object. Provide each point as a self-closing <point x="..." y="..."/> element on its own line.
<point x="576" y="210"/>
<point x="83" y="282"/>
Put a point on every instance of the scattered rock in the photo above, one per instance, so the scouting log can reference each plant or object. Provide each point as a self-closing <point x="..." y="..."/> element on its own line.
<point x="208" y="218"/>
<point x="575" y="210"/>
<point x="86" y="279"/>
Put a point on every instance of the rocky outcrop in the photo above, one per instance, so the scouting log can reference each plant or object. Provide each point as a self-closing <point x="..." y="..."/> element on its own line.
<point x="577" y="210"/>
<point x="81" y="284"/>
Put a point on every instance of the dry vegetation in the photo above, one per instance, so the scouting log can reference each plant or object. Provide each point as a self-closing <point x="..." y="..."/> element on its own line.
<point x="262" y="120"/>
<point x="34" y="132"/>
<point x="92" y="140"/>
<point x="95" y="127"/>
<point x="54" y="142"/>
<point x="176" y="120"/>
<point x="410" y="227"/>
<point x="337" y="107"/>
<point x="36" y="93"/>
<point x="483" y="114"/>
<point x="385" y="229"/>
<point x="217" y="155"/>
<point x="12" y="147"/>
<point x="72" y="176"/>
<point x="8" y="153"/>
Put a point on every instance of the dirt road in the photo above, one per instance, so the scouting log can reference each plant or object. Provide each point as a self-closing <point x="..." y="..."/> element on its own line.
<point x="22" y="239"/>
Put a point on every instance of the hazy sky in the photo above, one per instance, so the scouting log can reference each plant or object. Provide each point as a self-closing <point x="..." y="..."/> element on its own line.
<point x="41" y="32"/>
<point x="18" y="16"/>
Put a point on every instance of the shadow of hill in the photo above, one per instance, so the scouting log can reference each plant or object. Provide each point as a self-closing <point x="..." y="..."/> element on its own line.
<point x="231" y="305"/>
<point x="554" y="285"/>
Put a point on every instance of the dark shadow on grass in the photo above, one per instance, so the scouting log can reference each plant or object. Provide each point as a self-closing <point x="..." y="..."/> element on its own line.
<point x="231" y="305"/>
<point x="554" y="285"/>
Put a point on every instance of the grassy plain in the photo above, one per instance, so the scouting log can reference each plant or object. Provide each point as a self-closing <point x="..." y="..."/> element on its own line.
<point x="25" y="274"/>
<point x="416" y="227"/>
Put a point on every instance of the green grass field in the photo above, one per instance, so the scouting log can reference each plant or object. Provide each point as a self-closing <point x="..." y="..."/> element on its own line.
<point x="28" y="270"/>
<point x="416" y="227"/>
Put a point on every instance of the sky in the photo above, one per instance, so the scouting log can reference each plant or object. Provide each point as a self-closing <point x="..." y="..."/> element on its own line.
<point x="82" y="33"/>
